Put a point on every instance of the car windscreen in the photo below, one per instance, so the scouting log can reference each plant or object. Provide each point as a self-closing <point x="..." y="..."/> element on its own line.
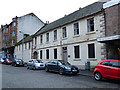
<point x="64" y="62"/>
<point x="18" y="60"/>
<point x="38" y="61"/>
<point x="7" y="59"/>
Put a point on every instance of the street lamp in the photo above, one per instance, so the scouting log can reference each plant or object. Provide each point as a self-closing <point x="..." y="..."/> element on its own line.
<point x="22" y="42"/>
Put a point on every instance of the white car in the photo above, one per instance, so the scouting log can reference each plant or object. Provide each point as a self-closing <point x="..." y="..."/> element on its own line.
<point x="2" y="60"/>
<point x="35" y="64"/>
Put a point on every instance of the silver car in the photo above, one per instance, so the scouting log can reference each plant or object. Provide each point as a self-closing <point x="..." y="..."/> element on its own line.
<point x="2" y="60"/>
<point x="35" y="64"/>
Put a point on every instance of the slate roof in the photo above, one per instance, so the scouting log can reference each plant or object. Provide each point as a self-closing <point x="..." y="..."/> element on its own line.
<point x="79" y="14"/>
<point x="27" y="39"/>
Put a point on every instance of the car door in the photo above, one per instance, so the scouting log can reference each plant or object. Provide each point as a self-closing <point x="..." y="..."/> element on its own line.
<point x="114" y="70"/>
<point x="49" y="65"/>
<point x="29" y="63"/>
<point x="55" y="66"/>
<point x="104" y="68"/>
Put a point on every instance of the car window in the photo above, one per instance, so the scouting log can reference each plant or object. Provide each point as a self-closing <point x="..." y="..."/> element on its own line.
<point x="64" y="62"/>
<point x="3" y="58"/>
<point x="105" y="63"/>
<point x="115" y="64"/>
<point x="18" y="60"/>
<point x="38" y="61"/>
<point x="7" y="59"/>
<point x="54" y="62"/>
<point x="30" y="61"/>
<point x="51" y="61"/>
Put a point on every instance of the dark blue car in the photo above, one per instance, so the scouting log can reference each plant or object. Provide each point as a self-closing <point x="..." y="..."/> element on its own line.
<point x="61" y="66"/>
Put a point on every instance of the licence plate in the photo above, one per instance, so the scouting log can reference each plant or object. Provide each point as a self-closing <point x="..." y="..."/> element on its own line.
<point x="74" y="70"/>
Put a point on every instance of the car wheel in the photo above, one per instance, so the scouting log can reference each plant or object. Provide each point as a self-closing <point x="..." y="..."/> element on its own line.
<point x="15" y="65"/>
<point x="34" y="67"/>
<point x="27" y="67"/>
<point x="97" y="76"/>
<point x="46" y="69"/>
<point x="61" y="72"/>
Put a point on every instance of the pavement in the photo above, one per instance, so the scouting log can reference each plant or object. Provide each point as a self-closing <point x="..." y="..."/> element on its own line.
<point x="86" y="73"/>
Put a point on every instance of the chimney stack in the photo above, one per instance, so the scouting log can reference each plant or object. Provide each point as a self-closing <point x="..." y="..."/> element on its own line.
<point x="47" y="22"/>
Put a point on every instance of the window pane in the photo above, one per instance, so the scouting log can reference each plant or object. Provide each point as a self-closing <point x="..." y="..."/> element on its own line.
<point x="91" y="51"/>
<point x="47" y="54"/>
<point x="90" y="24"/>
<point x="41" y="39"/>
<point x="35" y="40"/>
<point x="64" y="32"/>
<point x="76" y="51"/>
<point x="76" y="29"/>
<point x="55" y="53"/>
<point x="29" y="45"/>
<point x="55" y="35"/>
<point x="47" y="37"/>
<point x="41" y="54"/>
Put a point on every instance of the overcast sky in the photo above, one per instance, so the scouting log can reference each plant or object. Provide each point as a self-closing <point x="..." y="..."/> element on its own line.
<point x="46" y="10"/>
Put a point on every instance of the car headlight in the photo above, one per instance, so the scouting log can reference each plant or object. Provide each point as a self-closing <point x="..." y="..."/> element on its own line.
<point x="17" y="62"/>
<point x="68" y="68"/>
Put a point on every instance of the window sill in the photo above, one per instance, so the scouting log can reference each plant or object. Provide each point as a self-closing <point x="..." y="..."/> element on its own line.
<point x="91" y="59"/>
<point x="77" y="59"/>
<point x="47" y="59"/>
<point x="55" y="41"/>
<point x="88" y="33"/>
<point x="47" y="42"/>
<point x="64" y="38"/>
<point x="76" y="36"/>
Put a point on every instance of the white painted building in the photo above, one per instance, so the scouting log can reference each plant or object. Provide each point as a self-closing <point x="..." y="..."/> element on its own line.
<point x="27" y="49"/>
<point x="72" y="38"/>
<point x="27" y="24"/>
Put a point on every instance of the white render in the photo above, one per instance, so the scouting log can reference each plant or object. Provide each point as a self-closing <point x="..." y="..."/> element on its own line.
<point x="28" y="24"/>
<point x="26" y="52"/>
<point x="83" y="39"/>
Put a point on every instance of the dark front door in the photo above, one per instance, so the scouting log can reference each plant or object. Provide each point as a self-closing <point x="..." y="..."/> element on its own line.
<point x="35" y="55"/>
<point x="64" y="54"/>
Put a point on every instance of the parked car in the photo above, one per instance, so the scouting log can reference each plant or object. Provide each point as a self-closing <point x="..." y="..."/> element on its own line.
<point x="35" y="64"/>
<point x="17" y="62"/>
<point x="107" y="69"/>
<point x="2" y="60"/>
<point x="7" y="61"/>
<point x="61" y="66"/>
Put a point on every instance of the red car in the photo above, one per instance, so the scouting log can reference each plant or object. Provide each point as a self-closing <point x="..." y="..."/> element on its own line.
<point x="7" y="61"/>
<point x="109" y="68"/>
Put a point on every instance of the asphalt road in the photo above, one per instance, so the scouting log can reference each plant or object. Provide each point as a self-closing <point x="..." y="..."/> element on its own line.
<point x="20" y="77"/>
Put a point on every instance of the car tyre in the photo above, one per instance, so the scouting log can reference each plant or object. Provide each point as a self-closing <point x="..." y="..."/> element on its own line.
<point x="97" y="76"/>
<point x="61" y="72"/>
<point x="34" y="67"/>
<point x="46" y="69"/>
<point x="27" y="67"/>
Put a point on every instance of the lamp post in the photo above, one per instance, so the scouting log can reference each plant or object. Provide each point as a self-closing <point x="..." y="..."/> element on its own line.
<point x="22" y="42"/>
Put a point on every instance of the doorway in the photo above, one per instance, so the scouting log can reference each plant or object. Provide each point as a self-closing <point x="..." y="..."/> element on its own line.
<point x="64" y="53"/>
<point x="35" y="55"/>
